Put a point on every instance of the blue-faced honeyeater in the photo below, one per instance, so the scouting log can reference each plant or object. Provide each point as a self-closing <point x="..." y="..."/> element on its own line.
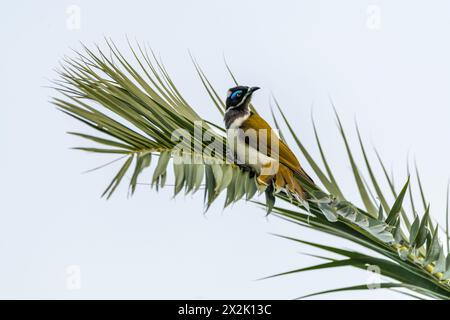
<point x="277" y="167"/>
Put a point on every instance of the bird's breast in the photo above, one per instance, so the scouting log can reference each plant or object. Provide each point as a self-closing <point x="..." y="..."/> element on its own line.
<point x="242" y="151"/>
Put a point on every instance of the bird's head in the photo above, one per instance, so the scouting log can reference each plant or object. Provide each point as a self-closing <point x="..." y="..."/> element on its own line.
<point x="239" y="97"/>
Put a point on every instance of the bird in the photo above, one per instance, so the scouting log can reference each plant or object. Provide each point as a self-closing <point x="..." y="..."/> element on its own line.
<point x="254" y="144"/>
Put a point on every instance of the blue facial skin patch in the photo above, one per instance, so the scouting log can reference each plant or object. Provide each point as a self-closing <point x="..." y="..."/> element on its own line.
<point x="234" y="94"/>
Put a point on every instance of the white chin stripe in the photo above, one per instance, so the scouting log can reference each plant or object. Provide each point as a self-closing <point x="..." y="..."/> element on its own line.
<point x="245" y="98"/>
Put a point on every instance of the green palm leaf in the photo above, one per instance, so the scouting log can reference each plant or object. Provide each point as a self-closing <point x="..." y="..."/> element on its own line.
<point x="134" y="108"/>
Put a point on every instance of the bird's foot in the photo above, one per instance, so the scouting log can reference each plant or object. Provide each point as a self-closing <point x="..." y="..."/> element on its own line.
<point x="263" y="181"/>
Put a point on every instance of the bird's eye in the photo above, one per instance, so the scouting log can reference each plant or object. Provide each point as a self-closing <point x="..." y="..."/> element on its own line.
<point x="236" y="94"/>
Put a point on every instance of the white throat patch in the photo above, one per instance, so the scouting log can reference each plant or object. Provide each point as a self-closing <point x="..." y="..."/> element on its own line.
<point x="237" y="123"/>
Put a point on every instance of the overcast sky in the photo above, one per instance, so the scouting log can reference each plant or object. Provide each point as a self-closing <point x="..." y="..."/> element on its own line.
<point x="385" y="63"/>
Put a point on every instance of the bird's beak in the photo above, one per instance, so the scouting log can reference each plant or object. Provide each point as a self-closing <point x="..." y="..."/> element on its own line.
<point x="253" y="89"/>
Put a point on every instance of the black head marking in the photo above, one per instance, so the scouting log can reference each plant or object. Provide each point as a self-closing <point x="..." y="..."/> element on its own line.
<point x="239" y="96"/>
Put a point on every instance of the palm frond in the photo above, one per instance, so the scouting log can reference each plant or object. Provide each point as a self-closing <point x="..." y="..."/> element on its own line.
<point x="137" y="111"/>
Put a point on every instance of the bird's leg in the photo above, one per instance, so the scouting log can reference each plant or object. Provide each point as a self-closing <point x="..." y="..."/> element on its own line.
<point x="245" y="167"/>
<point x="264" y="180"/>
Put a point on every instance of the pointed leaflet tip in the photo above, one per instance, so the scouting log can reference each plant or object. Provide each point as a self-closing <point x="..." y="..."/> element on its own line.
<point x="397" y="206"/>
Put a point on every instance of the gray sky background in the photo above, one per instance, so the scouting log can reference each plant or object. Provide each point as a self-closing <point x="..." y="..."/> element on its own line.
<point x="390" y="71"/>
